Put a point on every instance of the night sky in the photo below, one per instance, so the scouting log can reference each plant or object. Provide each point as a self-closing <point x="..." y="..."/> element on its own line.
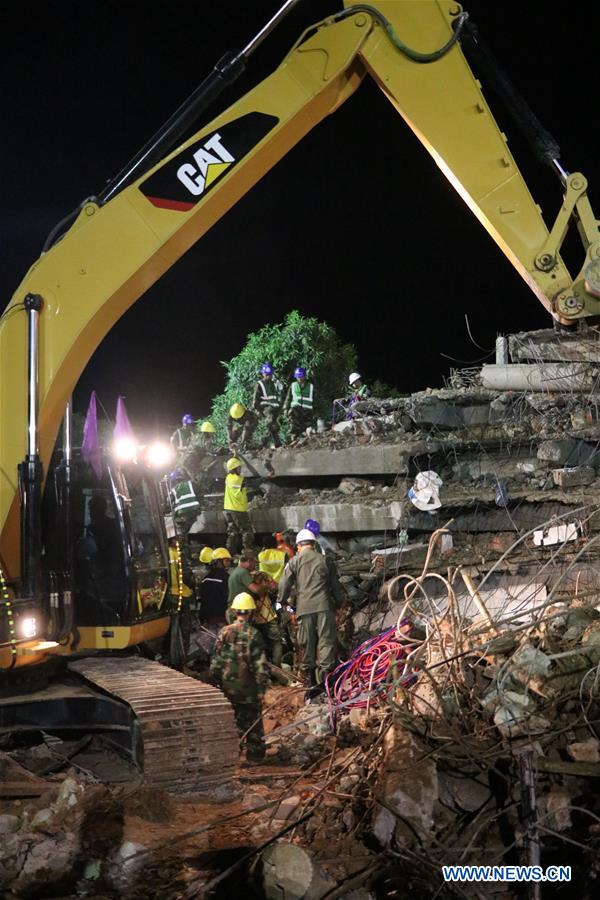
<point x="356" y="225"/>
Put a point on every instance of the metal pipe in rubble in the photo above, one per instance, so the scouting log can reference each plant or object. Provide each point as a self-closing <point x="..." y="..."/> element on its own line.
<point x="30" y="470"/>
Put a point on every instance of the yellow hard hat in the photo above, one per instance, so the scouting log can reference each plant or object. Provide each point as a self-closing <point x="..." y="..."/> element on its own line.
<point x="243" y="601"/>
<point x="221" y="553"/>
<point x="206" y="555"/>
<point x="233" y="463"/>
<point x="237" y="410"/>
<point x="208" y="428"/>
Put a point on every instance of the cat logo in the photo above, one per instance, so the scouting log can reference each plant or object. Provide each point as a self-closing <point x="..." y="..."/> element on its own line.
<point x="185" y="179"/>
<point x="210" y="161"/>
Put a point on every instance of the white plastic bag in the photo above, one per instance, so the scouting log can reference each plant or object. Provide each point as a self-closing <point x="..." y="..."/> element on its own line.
<point x="425" y="492"/>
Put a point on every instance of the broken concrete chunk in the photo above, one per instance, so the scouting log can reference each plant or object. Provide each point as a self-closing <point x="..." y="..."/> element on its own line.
<point x="290" y="873"/>
<point x="8" y="824"/>
<point x="531" y="660"/>
<point x="558" y="803"/>
<point x="585" y="751"/>
<point x="352" y="485"/>
<point x="574" y="476"/>
<point x="555" y="534"/>
<point x="287" y="808"/>
<point x="562" y="451"/>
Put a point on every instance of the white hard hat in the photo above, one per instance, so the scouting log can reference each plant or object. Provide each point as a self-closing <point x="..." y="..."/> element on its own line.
<point x="305" y="535"/>
<point x="356" y="376"/>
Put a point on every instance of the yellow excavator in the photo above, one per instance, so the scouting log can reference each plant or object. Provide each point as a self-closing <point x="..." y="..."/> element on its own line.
<point x="74" y="630"/>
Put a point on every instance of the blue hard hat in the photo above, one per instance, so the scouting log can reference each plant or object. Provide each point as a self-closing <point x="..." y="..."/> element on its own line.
<point x="266" y="368"/>
<point x="313" y="525"/>
<point x="176" y="475"/>
<point x="187" y="419"/>
<point x="300" y="372"/>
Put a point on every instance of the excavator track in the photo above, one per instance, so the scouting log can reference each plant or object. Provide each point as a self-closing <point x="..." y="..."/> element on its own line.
<point x="189" y="742"/>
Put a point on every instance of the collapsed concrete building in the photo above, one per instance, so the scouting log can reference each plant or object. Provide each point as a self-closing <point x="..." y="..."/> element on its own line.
<point x="481" y="746"/>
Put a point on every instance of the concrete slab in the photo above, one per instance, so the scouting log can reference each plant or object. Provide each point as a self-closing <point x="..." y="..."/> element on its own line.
<point x="372" y="459"/>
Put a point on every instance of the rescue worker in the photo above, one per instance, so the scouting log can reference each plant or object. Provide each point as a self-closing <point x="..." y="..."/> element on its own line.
<point x="201" y="571"/>
<point x="186" y="506"/>
<point x="264" y="617"/>
<point x="235" y="507"/>
<point x="239" y="667"/>
<point x="266" y="403"/>
<point x="206" y="439"/>
<point x="241" y="425"/>
<point x="214" y="590"/>
<point x="322" y="544"/>
<point x="282" y="542"/>
<point x="360" y="391"/>
<point x="272" y="561"/>
<point x="318" y="593"/>
<point x="299" y="403"/>
<point x="183" y="438"/>
<point x="240" y="577"/>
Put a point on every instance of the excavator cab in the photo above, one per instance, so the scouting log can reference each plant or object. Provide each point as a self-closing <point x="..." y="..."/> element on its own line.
<point x="105" y="538"/>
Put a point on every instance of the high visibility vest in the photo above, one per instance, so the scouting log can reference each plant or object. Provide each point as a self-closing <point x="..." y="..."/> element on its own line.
<point x="236" y="498"/>
<point x="184" y="498"/>
<point x="174" y="573"/>
<point x="181" y="439"/>
<point x="270" y="393"/>
<point x="302" y="395"/>
<point x="272" y="562"/>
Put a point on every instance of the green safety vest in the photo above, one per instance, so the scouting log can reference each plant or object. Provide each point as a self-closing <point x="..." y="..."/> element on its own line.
<point x="184" y="498"/>
<point x="302" y="395"/>
<point x="270" y="393"/>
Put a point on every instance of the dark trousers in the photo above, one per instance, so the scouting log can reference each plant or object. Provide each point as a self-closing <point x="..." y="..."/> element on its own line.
<point x="271" y="635"/>
<point x="317" y="639"/>
<point x="247" y="713"/>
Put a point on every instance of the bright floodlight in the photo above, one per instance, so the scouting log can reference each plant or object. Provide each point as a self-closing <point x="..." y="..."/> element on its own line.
<point x="28" y="627"/>
<point x="160" y="455"/>
<point x="124" y="449"/>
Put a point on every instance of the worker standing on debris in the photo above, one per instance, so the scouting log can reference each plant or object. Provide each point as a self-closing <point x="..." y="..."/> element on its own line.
<point x="241" y="425"/>
<point x="239" y="666"/>
<point x="235" y="508"/>
<point x="299" y="403"/>
<point x="318" y="593"/>
<point x="214" y="590"/>
<point x="183" y="438"/>
<point x="266" y="403"/>
<point x="184" y="502"/>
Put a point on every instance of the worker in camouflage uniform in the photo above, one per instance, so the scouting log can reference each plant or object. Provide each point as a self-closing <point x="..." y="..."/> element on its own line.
<point x="241" y="425"/>
<point x="239" y="666"/>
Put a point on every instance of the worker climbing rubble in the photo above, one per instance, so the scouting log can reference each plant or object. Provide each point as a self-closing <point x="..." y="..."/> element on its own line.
<point x="299" y="403"/>
<point x="235" y="507"/>
<point x="241" y="425"/>
<point x="182" y="438"/>
<point x="266" y="403"/>
<point x="344" y="406"/>
<point x="239" y="667"/>
<point x="318" y="593"/>
<point x="184" y="503"/>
